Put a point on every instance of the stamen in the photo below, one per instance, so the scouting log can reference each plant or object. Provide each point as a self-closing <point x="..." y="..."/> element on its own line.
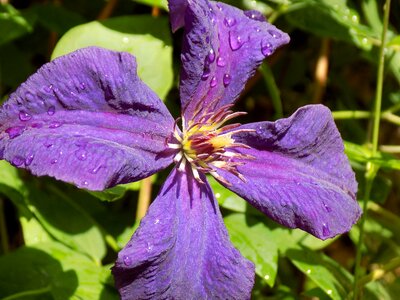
<point x="196" y="174"/>
<point x="174" y="146"/>
<point x="182" y="165"/>
<point x="178" y="157"/>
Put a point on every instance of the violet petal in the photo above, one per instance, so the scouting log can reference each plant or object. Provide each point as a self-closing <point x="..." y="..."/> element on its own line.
<point x="88" y="119"/>
<point x="181" y="249"/>
<point x="220" y="41"/>
<point x="300" y="176"/>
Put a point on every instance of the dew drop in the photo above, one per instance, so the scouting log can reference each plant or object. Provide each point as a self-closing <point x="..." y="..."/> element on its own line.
<point x="81" y="154"/>
<point x="55" y="124"/>
<point x="221" y="61"/>
<point x="82" y="86"/>
<point x="211" y="56"/>
<point x="235" y="41"/>
<point x="206" y="74"/>
<point x="149" y="247"/>
<point x="327" y="208"/>
<point x="266" y="48"/>
<point x="266" y="277"/>
<point x="219" y="6"/>
<point x="229" y="22"/>
<point x="17" y="161"/>
<point x="213" y="82"/>
<point x="85" y="183"/>
<point x="37" y="125"/>
<point x="95" y="170"/>
<point x="15" y="131"/>
<point x="325" y="230"/>
<point x="227" y="79"/>
<point x="51" y="110"/>
<point x="217" y="195"/>
<point x="29" y="159"/>
<point x="127" y="260"/>
<point x="157" y="221"/>
<point x="254" y="15"/>
<point x="308" y="271"/>
<point x="29" y="96"/>
<point x="48" y="89"/>
<point x="24" y="116"/>
<point x="275" y="34"/>
<point x="54" y="161"/>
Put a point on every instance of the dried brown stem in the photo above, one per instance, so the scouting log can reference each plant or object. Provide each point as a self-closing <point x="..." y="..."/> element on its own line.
<point x="321" y="71"/>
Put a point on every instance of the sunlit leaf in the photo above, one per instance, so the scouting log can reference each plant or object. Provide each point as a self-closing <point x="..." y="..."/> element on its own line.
<point x="147" y="38"/>
<point x="255" y="241"/>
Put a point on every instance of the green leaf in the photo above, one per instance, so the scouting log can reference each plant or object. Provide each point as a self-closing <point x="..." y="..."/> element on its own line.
<point x="13" y="187"/>
<point x="147" y="38"/>
<point x="51" y="269"/>
<point x="255" y="241"/>
<point x="13" y="24"/>
<point x="115" y="193"/>
<point x="33" y="231"/>
<point x="332" y="19"/>
<point x="158" y="3"/>
<point x="327" y="274"/>
<point x="67" y="222"/>
<point x="394" y="43"/>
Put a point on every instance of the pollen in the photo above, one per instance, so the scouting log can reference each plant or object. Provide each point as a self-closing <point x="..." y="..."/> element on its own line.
<point x="208" y="145"/>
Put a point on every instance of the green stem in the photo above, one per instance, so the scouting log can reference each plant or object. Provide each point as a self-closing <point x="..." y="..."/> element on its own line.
<point x="371" y="168"/>
<point x="351" y="114"/>
<point x="28" y="293"/>
<point x="273" y="89"/>
<point x="3" y="229"/>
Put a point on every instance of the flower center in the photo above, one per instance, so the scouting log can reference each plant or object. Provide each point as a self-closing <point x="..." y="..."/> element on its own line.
<point x="206" y="144"/>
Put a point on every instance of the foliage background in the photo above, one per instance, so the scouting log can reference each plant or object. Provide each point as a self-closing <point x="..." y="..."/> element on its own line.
<point x="58" y="242"/>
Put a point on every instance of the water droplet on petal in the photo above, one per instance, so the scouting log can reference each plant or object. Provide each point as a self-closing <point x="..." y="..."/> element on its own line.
<point x="29" y="159"/>
<point x="254" y="15"/>
<point x="266" y="48"/>
<point x="221" y="61"/>
<point x="37" y="125"/>
<point x="48" y="89"/>
<point x="55" y="124"/>
<point x="127" y="260"/>
<point x="229" y="22"/>
<point x="275" y="34"/>
<point x="15" y="131"/>
<point x="219" y="6"/>
<point x="206" y="74"/>
<point x="149" y="247"/>
<point x="85" y="183"/>
<point x="24" y="116"/>
<point x="81" y="154"/>
<point x="95" y="170"/>
<point x="328" y="209"/>
<point x="82" y="86"/>
<point x="54" y="161"/>
<point x="17" y="161"/>
<point x="235" y="41"/>
<point x="213" y="82"/>
<point x="51" y="110"/>
<point x="211" y="55"/>
<point x="227" y="79"/>
<point x="157" y="221"/>
<point x="325" y="230"/>
<point x="29" y="96"/>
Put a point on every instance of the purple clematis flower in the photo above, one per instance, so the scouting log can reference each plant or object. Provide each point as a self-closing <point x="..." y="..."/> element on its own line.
<point x="86" y="118"/>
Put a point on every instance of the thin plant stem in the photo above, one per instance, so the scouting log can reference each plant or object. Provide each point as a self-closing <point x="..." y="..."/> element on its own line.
<point x="273" y="89"/>
<point x="389" y="148"/>
<point x="371" y="169"/>
<point x="321" y="71"/>
<point x="24" y="294"/>
<point x="144" y="197"/>
<point x="3" y="229"/>
<point x="351" y="114"/>
<point x="107" y="10"/>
